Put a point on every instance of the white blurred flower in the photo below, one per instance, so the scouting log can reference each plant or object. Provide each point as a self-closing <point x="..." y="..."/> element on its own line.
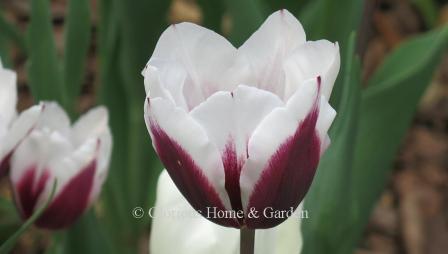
<point x="8" y="101"/>
<point x="178" y="228"/>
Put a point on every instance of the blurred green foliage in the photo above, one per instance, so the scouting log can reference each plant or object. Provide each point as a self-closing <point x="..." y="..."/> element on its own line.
<point x="328" y="230"/>
<point x="365" y="136"/>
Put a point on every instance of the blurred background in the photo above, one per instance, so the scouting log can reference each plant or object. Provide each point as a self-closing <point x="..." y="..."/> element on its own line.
<point x="396" y="203"/>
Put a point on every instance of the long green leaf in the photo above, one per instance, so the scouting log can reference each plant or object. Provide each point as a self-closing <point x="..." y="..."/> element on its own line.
<point x="9" y="219"/>
<point x="428" y="10"/>
<point x="246" y="16"/>
<point x="44" y="70"/>
<point x="111" y="91"/>
<point x="87" y="236"/>
<point x="334" y="21"/>
<point x="212" y="12"/>
<point x="294" y="6"/>
<point x="329" y="196"/>
<point x="77" y="39"/>
<point x="386" y="112"/>
<point x="137" y="46"/>
<point x="9" y="244"/>
<point x="4" y="52"/>
<point x="12" y="33"/>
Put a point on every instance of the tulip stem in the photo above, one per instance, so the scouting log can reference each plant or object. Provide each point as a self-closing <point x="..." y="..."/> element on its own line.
<point x="247" y="240"/>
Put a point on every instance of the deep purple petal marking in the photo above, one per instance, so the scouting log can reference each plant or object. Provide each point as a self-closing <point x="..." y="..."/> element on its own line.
<point x="66" y="207"/>
<point x="187" y="176"/>
<point x="288" y="175"/>
<point x="28" y="190"/>
<point x="232" y="170"/>
<point x="71" y="201"/>
<point x="4" y="165"/>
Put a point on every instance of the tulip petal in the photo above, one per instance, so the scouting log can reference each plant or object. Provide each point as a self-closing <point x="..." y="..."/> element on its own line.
<point x="326" y="117"/>
<point x="65" y="207"/>
<point x="229" y="118"/>
<point x="309" y="60"/>
<point x="173" y="86"/>
<point x="174" y="220"/>
<point x="26" y="121"/>
<point x="269" y="46"/>
<point x="283" y="154"/>
<point x="33" y="154"/>
<point x="46" y="116"/>
<point x="48" y="153"/>
<point x="29" y="188"/>
<point x="55" y="118"/>
<point x="8" y="95"/>
<point x="189" y="58"/>
<point x="94" y="125"/>
<point x="91" y="124"/>
<point x="191" y="159"/>
<point x="72" y="200"/>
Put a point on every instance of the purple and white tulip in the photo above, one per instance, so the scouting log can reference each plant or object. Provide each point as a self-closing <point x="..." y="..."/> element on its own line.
<point x="76" y="156"/>
<point x="241" y="129"/>
<point x="8" y="101"/>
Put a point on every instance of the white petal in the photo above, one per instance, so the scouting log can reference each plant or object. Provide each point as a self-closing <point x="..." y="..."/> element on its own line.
<point x="177" y="228"/>
<point x="8" y="95"/>
<point x="269" y="46"/>
<point x="312" y="59"/>
<point x="189" y="135"/>
<point x="272" y="132"/>
<point x="173" y="87"/>
<point x="37" y="150"/>
<point x="284" y="239"/>
<point x="103" y="159"/>
<point x="54" y="118"/>
<point x="20" y="128"/>
<point x="94" y="125"/>
<point x="233" y="116"/>
<point x="203" y="55"/>
<point x="324" y="121"/>
<point x="91" y="124"/>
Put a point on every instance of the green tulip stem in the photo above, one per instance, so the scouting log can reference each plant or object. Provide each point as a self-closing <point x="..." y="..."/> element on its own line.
<point x="247" y="240"/>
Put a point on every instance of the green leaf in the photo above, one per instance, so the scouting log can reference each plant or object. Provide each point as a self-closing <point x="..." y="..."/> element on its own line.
<point x="136" y="48"/>
<point x="329" y="197"/>
<point x="293" y="6"/>
<point x="332" y="20"/>
<point x="77" y="41"/>
<point x="124" y="50"/>
<point x="44" y="70"/>
<point x="4" y="52"/>
<point x="247" y="16"/>
<point x="9" y="219"/>
<point x="428" y="10"/>
<point x="9" y="244"/>
<point x="111" y="91"/>
<point x="12" y="34"/>
<point x="387" y="108"/>
<point x="86" y="236"/>
<point x="212" y="11"/>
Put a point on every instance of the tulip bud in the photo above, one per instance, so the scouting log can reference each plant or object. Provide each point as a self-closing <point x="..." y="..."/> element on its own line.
<point x="77" y="157"/>
<point x="241" y="130"/>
